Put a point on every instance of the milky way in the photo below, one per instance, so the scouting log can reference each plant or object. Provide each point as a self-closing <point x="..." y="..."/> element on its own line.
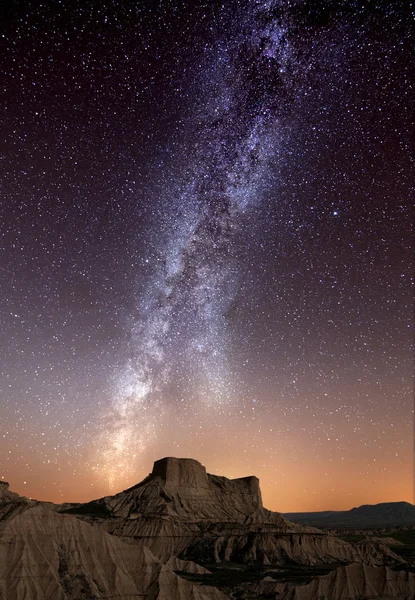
<point x="206" y="231"/>
<point x="181" y="333"/>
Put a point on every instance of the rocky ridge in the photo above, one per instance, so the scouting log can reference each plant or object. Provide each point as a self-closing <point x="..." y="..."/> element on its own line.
<point x="181" y="509"/>
<point x="157" y="540"/>
<point x="356" y="581"/>
<point x="368" y="516"/>
<point x="47" y="555"/>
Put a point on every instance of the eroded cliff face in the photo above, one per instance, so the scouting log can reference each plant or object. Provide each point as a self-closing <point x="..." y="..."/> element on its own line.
<point x="276" y="548"/>
<point x="46" y="555"/>
<point x="151" y="541"/>
<point x="182" y="510"/>
<point x="10" y="502"/>
<point x="181" y="488"/>
<point x="181" y="472"/>
<point x="356" y="581"/>
<point x="6" y="494"/>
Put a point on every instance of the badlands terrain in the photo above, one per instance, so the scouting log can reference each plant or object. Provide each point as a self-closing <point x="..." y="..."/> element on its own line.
<point x="185" y="534"/>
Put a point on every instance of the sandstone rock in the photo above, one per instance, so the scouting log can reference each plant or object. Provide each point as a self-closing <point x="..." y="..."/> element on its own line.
<point x="356" y="581"/>
<point x="180" y="487"/>
<point x="186" y="566"/>
<point x="10" y="502"/>
<point x="388" y="541"/>
<point x="46" y="555"/>
<point x="274" y="547"/>
<point x="137" y="544"/>
<point x="182" y="510"/>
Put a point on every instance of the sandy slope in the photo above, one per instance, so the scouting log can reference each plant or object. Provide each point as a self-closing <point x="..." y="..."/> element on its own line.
<point x="44" y="554"/>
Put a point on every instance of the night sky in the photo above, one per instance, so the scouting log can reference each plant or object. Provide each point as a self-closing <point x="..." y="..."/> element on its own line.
<point x="205" y="233"/>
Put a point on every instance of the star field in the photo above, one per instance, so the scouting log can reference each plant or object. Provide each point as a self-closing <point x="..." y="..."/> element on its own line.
<point x="206" y="238"/>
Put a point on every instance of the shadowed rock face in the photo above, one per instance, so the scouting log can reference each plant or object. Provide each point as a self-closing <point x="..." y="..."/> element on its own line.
<point x="10" y="502"/>
<point x="181" y="472"/>
<point x="180" y="487"/>
<point x="4" y="487"/>
<point x="48" y="556"/>
<point x="356" y="581"/>
<point x="5" y="493"/>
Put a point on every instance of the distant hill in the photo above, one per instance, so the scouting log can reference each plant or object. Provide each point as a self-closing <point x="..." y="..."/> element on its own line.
<point x="385" y="514"/>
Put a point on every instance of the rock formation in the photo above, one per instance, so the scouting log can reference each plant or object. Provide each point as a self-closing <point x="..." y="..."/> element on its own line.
<point x="152" y="540"/>
<point x="47" y="555"/>
<point x="181" y="488"/>
<point x="10" y="502"/>
<point x="181" y="510"/>
<point x="355" y="581"/>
